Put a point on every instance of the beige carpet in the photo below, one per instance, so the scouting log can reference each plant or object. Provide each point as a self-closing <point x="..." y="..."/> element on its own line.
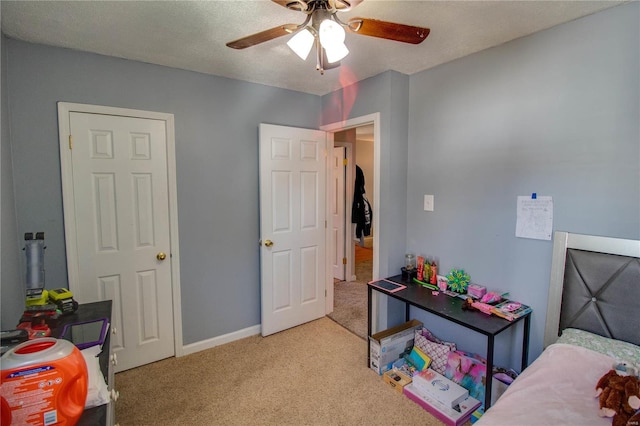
<point x="350" y="300"/>
<point x="314" y="374"/>
<point x="364" y="270"/>
<point x="350" y="306"/>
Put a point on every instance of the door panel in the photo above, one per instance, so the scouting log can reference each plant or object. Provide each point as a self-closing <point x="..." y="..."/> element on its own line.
<point x="292" y="222"/>
<point x="282" y="281"/>
<point x="120" y="187"/>
<point x="143" y="209"/>
<point x="309" y="274"/>
<point x="105" y="206"/>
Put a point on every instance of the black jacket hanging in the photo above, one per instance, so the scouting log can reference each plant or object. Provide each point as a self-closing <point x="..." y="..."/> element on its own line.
<point x="361" y="213"/>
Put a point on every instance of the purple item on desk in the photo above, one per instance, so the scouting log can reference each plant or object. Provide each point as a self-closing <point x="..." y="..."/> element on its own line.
<point x="86" y="334"/>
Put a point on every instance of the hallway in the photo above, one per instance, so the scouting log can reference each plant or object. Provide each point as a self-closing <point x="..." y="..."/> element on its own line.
<point x="364" y="263"/>
<point x="350" y="297"/>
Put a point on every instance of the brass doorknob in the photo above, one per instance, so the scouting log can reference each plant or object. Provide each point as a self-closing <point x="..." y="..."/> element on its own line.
<point x="161" y="256"/>
<point x="268" y="243"/>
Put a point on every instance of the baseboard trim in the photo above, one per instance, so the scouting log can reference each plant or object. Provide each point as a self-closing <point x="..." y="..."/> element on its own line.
<point x="220" y="340"/>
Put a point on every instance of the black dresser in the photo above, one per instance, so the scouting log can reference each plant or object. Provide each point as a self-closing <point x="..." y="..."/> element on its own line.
<point x="103" y="414"/>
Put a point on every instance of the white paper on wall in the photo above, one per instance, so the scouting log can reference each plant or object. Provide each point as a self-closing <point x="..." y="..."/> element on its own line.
<point x="534" y="217"/>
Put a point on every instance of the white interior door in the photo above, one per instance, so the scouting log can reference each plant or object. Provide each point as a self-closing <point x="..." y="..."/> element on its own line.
<point x="292" y="226"/>
<point x="337" y="210"/>
<point x="122" y="230"/>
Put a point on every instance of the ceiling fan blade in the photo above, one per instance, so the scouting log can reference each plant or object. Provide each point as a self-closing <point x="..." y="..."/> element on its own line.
<point x="262" y="36"/>
<point x="388" y="30"/>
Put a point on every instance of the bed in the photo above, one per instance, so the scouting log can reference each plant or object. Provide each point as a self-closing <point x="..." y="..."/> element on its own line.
<point x="593" y="323"/>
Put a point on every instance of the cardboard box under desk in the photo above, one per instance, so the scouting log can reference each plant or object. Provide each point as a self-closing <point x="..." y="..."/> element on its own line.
<point x="455" y="416"/>
<point x="386" y="346"/>
<point x="440" y="388"/>
<point x="396" y="379"/>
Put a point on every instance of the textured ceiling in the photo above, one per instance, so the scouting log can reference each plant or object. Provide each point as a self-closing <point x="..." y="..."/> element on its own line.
<point x="191" y="35"/>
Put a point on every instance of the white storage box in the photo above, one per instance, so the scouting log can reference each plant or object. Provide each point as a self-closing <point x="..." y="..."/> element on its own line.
<point x="440" y="388"/>
<point x="455" y="416"/>
<point x="386" y="346"/>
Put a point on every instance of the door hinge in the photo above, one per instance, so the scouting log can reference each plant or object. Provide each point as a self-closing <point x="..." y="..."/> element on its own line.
<point x="344" y="260"/>
<point x="70" y="141"/>
<point x="345" y="161"/>
<point x="325" y="224"/>
<point x="325" y="292"/>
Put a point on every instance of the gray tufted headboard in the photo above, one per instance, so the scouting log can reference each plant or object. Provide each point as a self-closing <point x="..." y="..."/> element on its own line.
<point x="594" y="286"/>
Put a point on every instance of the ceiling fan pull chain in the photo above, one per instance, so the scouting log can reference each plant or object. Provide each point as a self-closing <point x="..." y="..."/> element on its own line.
<point x="320" y="59"/>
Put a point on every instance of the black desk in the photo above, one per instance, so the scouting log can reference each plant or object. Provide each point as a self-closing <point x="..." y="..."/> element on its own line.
<point x="87" y="312"/>
<point x="450" y="308"/>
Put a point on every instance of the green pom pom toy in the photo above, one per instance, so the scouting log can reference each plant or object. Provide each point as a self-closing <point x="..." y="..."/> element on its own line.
<point x="458" y="280"/>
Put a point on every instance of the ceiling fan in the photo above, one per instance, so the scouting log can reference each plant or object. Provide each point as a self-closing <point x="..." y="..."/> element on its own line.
<point x="326" y="31"/>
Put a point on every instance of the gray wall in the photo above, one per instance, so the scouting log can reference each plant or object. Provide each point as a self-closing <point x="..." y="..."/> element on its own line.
<point x="388" y="94"/>
<point x="555" y="113"/>
<point x="216" y="122"/>
<point x="12" y="288"/>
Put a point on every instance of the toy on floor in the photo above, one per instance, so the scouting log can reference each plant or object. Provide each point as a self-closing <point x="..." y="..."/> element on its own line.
<point x="619" y="397"/>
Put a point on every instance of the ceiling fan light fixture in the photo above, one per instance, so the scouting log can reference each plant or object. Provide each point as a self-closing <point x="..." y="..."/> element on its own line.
<point x="332" y="40"/>
<point x="331" y="33"/>
<point x="336" y="52"/>
<point x="301" y="43"/>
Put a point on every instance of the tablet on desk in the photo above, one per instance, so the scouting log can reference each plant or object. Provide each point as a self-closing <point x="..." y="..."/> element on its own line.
<point x="388" y="286"/>
<point x="86" y="334"/>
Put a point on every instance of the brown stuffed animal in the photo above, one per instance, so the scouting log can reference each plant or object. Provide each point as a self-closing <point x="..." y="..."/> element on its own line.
<point x="619" y="398"/>
<point x="634" y="420"/>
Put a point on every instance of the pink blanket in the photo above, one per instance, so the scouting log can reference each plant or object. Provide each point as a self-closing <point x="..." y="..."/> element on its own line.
<point x="558" y="388"/>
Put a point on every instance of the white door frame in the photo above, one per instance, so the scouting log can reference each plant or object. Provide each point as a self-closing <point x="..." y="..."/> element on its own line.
<point x="64" y="110"/>
<point x="344" y="125"/>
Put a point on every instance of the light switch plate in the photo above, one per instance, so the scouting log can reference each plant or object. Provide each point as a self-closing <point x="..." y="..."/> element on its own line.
<point x="428" y="203"/>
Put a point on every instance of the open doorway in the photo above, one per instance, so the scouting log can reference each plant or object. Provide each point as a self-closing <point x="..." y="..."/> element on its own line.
<point x="354" y="177"/>
<point x="363" y="238"/>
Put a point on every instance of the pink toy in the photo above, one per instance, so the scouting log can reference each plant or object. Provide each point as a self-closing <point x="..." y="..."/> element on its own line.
<point x="482" y="307"/>
<point x="491" y="297"/>
<point x="476" y="290"/>
<point x="442" y="284"/>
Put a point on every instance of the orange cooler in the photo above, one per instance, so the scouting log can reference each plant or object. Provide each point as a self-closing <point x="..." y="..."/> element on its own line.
<point x="44" y="382"/>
